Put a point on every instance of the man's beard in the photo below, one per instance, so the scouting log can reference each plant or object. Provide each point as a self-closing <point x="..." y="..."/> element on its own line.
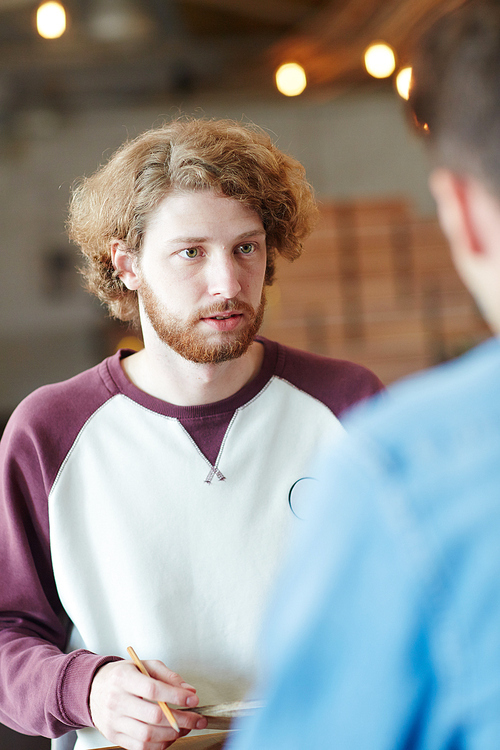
<point x="185" y="338"/>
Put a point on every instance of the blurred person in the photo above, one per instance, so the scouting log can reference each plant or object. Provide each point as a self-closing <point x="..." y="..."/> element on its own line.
<point x="385" y="631"/>
<point x="146" y="502"/>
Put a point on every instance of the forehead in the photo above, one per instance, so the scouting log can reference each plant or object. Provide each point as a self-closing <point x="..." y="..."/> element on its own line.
<point x="201" y="213"/>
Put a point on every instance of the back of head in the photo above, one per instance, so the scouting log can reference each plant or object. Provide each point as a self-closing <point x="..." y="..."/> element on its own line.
<point x="235" y="160"/>
<point x="455" y="93"/>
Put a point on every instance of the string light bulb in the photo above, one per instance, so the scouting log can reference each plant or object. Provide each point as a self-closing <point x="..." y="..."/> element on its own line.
<point x="380" y="60"/>
<point x="403" y="82"/>
<point x="51" y="20"/>
<point x="291" y="79"/>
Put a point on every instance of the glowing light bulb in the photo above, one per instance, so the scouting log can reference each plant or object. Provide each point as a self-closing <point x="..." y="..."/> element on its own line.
<point x="380" y="60"/>
<point x="51" y="20"/>
<point x="291" y="79"/>
<point x="403" y="82"/>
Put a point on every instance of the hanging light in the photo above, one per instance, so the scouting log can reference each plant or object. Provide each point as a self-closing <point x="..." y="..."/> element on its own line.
<point x="51" y="20"/>
<point x="291" y="79"/>
<point x="380" y="60"/>
<point x="403" y="82"/>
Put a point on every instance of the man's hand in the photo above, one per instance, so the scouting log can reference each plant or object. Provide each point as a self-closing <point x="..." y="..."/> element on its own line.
<point x="124" y="708"/>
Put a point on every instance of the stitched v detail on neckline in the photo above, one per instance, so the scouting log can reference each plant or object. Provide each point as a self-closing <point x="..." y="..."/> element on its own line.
<point x="208" y="433"/>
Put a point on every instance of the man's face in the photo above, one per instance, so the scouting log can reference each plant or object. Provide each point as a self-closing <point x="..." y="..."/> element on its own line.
<point x="201" y="269"/>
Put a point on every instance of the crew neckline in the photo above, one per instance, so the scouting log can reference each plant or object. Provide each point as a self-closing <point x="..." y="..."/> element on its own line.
<point x="229" y="404"/>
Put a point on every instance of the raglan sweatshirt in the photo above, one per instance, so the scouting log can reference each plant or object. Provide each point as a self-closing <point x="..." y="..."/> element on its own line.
<point x="126" y="520"/>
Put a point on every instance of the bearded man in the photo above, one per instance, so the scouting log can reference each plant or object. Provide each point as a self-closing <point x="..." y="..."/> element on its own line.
<point x="147" y="501"/>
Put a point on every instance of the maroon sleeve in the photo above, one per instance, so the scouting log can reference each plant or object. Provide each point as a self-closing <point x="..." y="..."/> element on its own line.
<point x="42" y="690"/>
<point x="339" y="384"/>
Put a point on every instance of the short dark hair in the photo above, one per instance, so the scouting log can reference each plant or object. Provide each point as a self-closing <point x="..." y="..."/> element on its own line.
<point x="455" y="90"/>
<point x="238" y="161"/>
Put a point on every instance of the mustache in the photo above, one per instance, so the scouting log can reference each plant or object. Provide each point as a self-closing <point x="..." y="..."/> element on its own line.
<point x="230" y="305"/>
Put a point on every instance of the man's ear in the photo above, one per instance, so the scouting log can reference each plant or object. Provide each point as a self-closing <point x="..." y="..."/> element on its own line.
<point x="125" y="263"/>
<point x="456" y="198"/>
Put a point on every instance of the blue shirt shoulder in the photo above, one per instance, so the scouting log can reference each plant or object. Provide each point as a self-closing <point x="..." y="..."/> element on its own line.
<point x="385" y="630"/>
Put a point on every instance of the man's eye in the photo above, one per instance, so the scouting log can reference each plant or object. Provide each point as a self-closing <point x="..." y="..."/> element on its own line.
<point x="246" y="248"/>
<point x="190" y="252"/>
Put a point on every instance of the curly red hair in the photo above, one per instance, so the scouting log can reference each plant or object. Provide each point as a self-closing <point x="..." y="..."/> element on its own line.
<point x="236" y="160"/>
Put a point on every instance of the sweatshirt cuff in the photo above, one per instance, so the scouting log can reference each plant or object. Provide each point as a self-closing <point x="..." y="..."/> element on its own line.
<point x="75" y="684"/>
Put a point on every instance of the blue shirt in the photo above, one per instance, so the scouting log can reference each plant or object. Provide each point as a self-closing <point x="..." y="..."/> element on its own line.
<point x="385" y="630"/>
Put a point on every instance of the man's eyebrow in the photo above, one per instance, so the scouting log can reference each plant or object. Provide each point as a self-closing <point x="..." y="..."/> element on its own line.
<point x="194" y="240"/>
<point x="187" y="240"/>
<point x="251" y="233"/>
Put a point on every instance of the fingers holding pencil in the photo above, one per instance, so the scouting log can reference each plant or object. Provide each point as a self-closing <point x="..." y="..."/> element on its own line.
<point x="123" y="709"/>
<point x="167" y="712"/>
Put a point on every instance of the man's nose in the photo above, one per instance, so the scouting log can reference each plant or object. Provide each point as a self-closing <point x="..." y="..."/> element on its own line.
<point x="223" y="277"/>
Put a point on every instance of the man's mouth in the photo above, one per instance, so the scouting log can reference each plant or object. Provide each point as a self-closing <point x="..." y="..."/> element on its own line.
<point x="223" y="321"/>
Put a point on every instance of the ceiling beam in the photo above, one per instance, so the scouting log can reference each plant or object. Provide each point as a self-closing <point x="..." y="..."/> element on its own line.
<point x="340" y="23"/>
<point x="275" y="11"/>
<point x="331" y="45"/>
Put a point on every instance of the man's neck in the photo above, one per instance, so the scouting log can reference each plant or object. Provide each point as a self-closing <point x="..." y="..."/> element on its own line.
<point x="166" y="375"/>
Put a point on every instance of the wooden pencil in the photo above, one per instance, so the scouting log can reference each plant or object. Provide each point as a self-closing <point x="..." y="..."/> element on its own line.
<point x="168" y="713"/>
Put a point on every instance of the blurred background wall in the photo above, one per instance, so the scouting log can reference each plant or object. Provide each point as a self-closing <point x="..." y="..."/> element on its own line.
<point x="355" y="148"/>
<point x="375" y="283"/>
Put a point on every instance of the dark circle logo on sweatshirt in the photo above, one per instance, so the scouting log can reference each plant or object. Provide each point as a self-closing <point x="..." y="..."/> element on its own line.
<point x="299" y="496"/>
